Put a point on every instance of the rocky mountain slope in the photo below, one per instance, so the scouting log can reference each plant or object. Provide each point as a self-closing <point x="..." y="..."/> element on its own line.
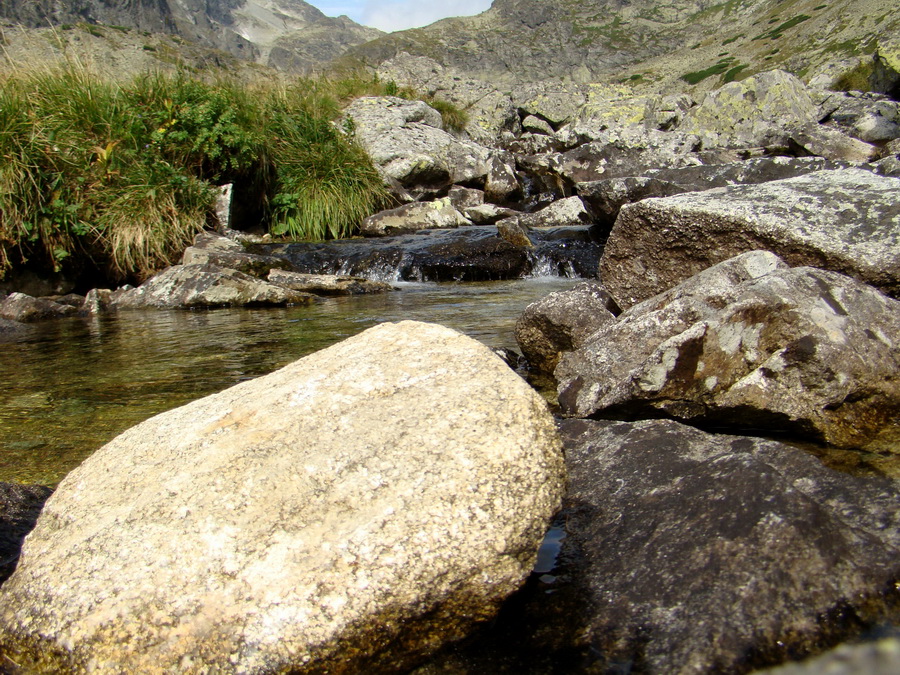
<point x="643" y="42"/>
<point x="290" y="34"/>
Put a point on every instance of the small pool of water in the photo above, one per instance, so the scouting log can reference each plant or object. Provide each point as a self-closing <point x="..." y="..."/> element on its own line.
<point x="82" y="381"/>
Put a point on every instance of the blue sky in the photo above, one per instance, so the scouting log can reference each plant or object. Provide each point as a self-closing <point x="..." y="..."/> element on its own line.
<point x="391" y="15"/>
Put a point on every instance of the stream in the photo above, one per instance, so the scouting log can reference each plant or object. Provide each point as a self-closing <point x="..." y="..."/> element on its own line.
<point x="82" y="381"/>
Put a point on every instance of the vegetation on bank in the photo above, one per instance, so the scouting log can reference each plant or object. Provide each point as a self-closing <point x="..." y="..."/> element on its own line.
<point x="96" y="173"/>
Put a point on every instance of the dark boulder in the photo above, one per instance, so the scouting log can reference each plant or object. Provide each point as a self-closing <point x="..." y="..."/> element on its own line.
<point x="20" y="506"/>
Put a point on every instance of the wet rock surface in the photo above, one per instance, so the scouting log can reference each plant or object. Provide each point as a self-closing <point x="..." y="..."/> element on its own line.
<point x="328" y="284"/>
<point x="201" y="286"/>
<point x="846" y="220"/>
<point x="750" y="343"/>
<point x="269" y="527"/>
<point x="20" y="506"/>
<point x="23" y="308"/>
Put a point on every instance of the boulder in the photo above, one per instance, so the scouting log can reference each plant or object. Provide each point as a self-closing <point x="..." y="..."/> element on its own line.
<point x="512" y="230"/>
<point x="439" y="213"/>
<point x="327" y="284"/>
<point x="561" y="213"/>
<point x="872" y="658"/>
<point x="872" y="118"/>
<point x="561" y="322"/>
<point x="25" y="309"/>
<point x="20" y="506"/>
<point x="198" y="286"/>
<point x="754" y="112"/>
<point x="406" y="142"/>
<point x="623" y="152"/>
<point x="236" y="258"/>
<point x="462" y="198"/>
<point x="502" y="184"/>
<point x="318" y="519"/>
<point x="607" y="197"/>
<point x="751" y="343"/>
<point x="537" y="125"/>
<point x="488" y="214"/>
<point x="847" y="221"/>
<point x="821" y="141"/>
<point x="698" y="553"/>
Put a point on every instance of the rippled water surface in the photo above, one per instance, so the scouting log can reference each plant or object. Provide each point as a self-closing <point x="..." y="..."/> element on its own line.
<point x="83" y="381"/>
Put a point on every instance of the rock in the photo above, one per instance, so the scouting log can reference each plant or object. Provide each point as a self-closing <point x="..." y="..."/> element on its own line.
<point x="406" y="142"/>
<point x="71" y="299"/>
<point x="753" y="112"/>
<point x="223" y="208"/>
<point x="873" y="658"/>
<point x="439" y="213"/>
<point x="327" y="284"/>
<point x="238" y="259"/>
<point x="666" y="112"/>
<point x="750" y="343"/>
<point x="488" y="214"/>
<point x="536" y="125"/>
<point x="869" y="117"/>
<point x="554" y="102"/>
<point x="318" y="519"/>
<point x="563" y="212"/>
<point x="462" y="198"/>
<point x="623" y="152"/>
<point x="26" y="309"/>
<point x="19" y="509"/>
<point x="889" y="166"/>
<point x="822" y="141"/>
<point x="606" y="110"/>
<point x="847" y="221"/>
<point x="708" y="553"/>
<point x="502" y="184"/>
<point x="561" y="322"/>
<point x="886" y="71"/>
<point x="13" y="331"/>
<point x="197" y="286"/>
<point x="607" y="197"/>
<point x="513" y="231"/>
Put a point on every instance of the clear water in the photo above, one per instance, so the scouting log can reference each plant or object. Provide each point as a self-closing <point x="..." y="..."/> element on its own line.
<point x="83" y="381"/>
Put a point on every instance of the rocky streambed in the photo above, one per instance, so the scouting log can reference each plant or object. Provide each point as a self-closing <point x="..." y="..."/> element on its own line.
<point x="720" y="480"/>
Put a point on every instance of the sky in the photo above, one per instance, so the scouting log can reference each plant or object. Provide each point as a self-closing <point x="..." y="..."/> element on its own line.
<point x="391" y="15"/>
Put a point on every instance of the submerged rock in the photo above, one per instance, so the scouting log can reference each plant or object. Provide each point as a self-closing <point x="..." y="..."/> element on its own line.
<point x="328" y="284"/>
<point x="751" y="343"/>
<point x="19" y="509"/>
<point x="847" y="221"/>
<point x="197" y="286"/>
<point x="350" y="512"/>
<point x="697" y="553"/>
<point x="13" y="331"/>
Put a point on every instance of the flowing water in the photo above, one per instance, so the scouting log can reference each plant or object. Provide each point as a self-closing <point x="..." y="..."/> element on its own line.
<point x="82" y="381"/>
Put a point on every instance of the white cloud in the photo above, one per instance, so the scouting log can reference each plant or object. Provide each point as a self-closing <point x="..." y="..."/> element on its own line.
<point x="392" y="15"/>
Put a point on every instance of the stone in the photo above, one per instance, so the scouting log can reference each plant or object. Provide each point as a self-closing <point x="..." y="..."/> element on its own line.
<point x="537" y="125"/>
<point x="328" y="284"/>
<point x="462" y="198"/>
<point x="751" y="344"/>
<point x="666" y="112"/>
<point x="502" y="184"/>
<point x="19" y="509"/>
<point x="561" y="322"/>
<point x="694" y="552"/>
<point x="821" y="141"/>
<point x="350" y="512"/>
<point x="488" y="214"/>
<point x="757" y="111"/>
<point x="847" y="221"/>
<point x="406" y="142"/>
<point x="606" y="197"/>
<point x="206" y="286"/>
<point x="513" y="231"/>
<point x="26" y="309"/>
<point x="872" y="118"/>
<point x="439" y="213"/>
<point x="249" y="263"/>
<point x="872" y="658"/>
<point x="563" y="212"/>
<point x="14" y="331"/>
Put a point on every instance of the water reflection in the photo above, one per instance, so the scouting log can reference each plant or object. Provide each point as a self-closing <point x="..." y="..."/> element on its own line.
<point x="83" y="381"/>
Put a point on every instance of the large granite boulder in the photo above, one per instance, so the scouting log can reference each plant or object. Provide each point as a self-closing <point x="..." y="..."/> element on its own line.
<point x="406" y="142"/>
<point x="20" y="506"/>
<point x="753" y="112"/>
<point x="751" y="343"/>
<point x="561" y="322"/>
<point x="439" y="213"/>
<point x="690" y="552"/>
<point x="347" y="513"/>
<point x="328" y="284"/>
<point x="199" y="286"/>
<point x="847" y="221"/>
<point x="822" y="141"/>
<point x="606" y="197"/>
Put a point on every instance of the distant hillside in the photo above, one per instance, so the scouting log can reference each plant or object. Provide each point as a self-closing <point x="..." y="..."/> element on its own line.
<point x="288" y="33"/>
<point x="646" y="41"/>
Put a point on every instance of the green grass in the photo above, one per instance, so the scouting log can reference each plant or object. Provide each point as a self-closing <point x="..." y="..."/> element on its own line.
<point x="120" y="175"/>
<point x="700" y="75"/>
<point x="776" y="32"/>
